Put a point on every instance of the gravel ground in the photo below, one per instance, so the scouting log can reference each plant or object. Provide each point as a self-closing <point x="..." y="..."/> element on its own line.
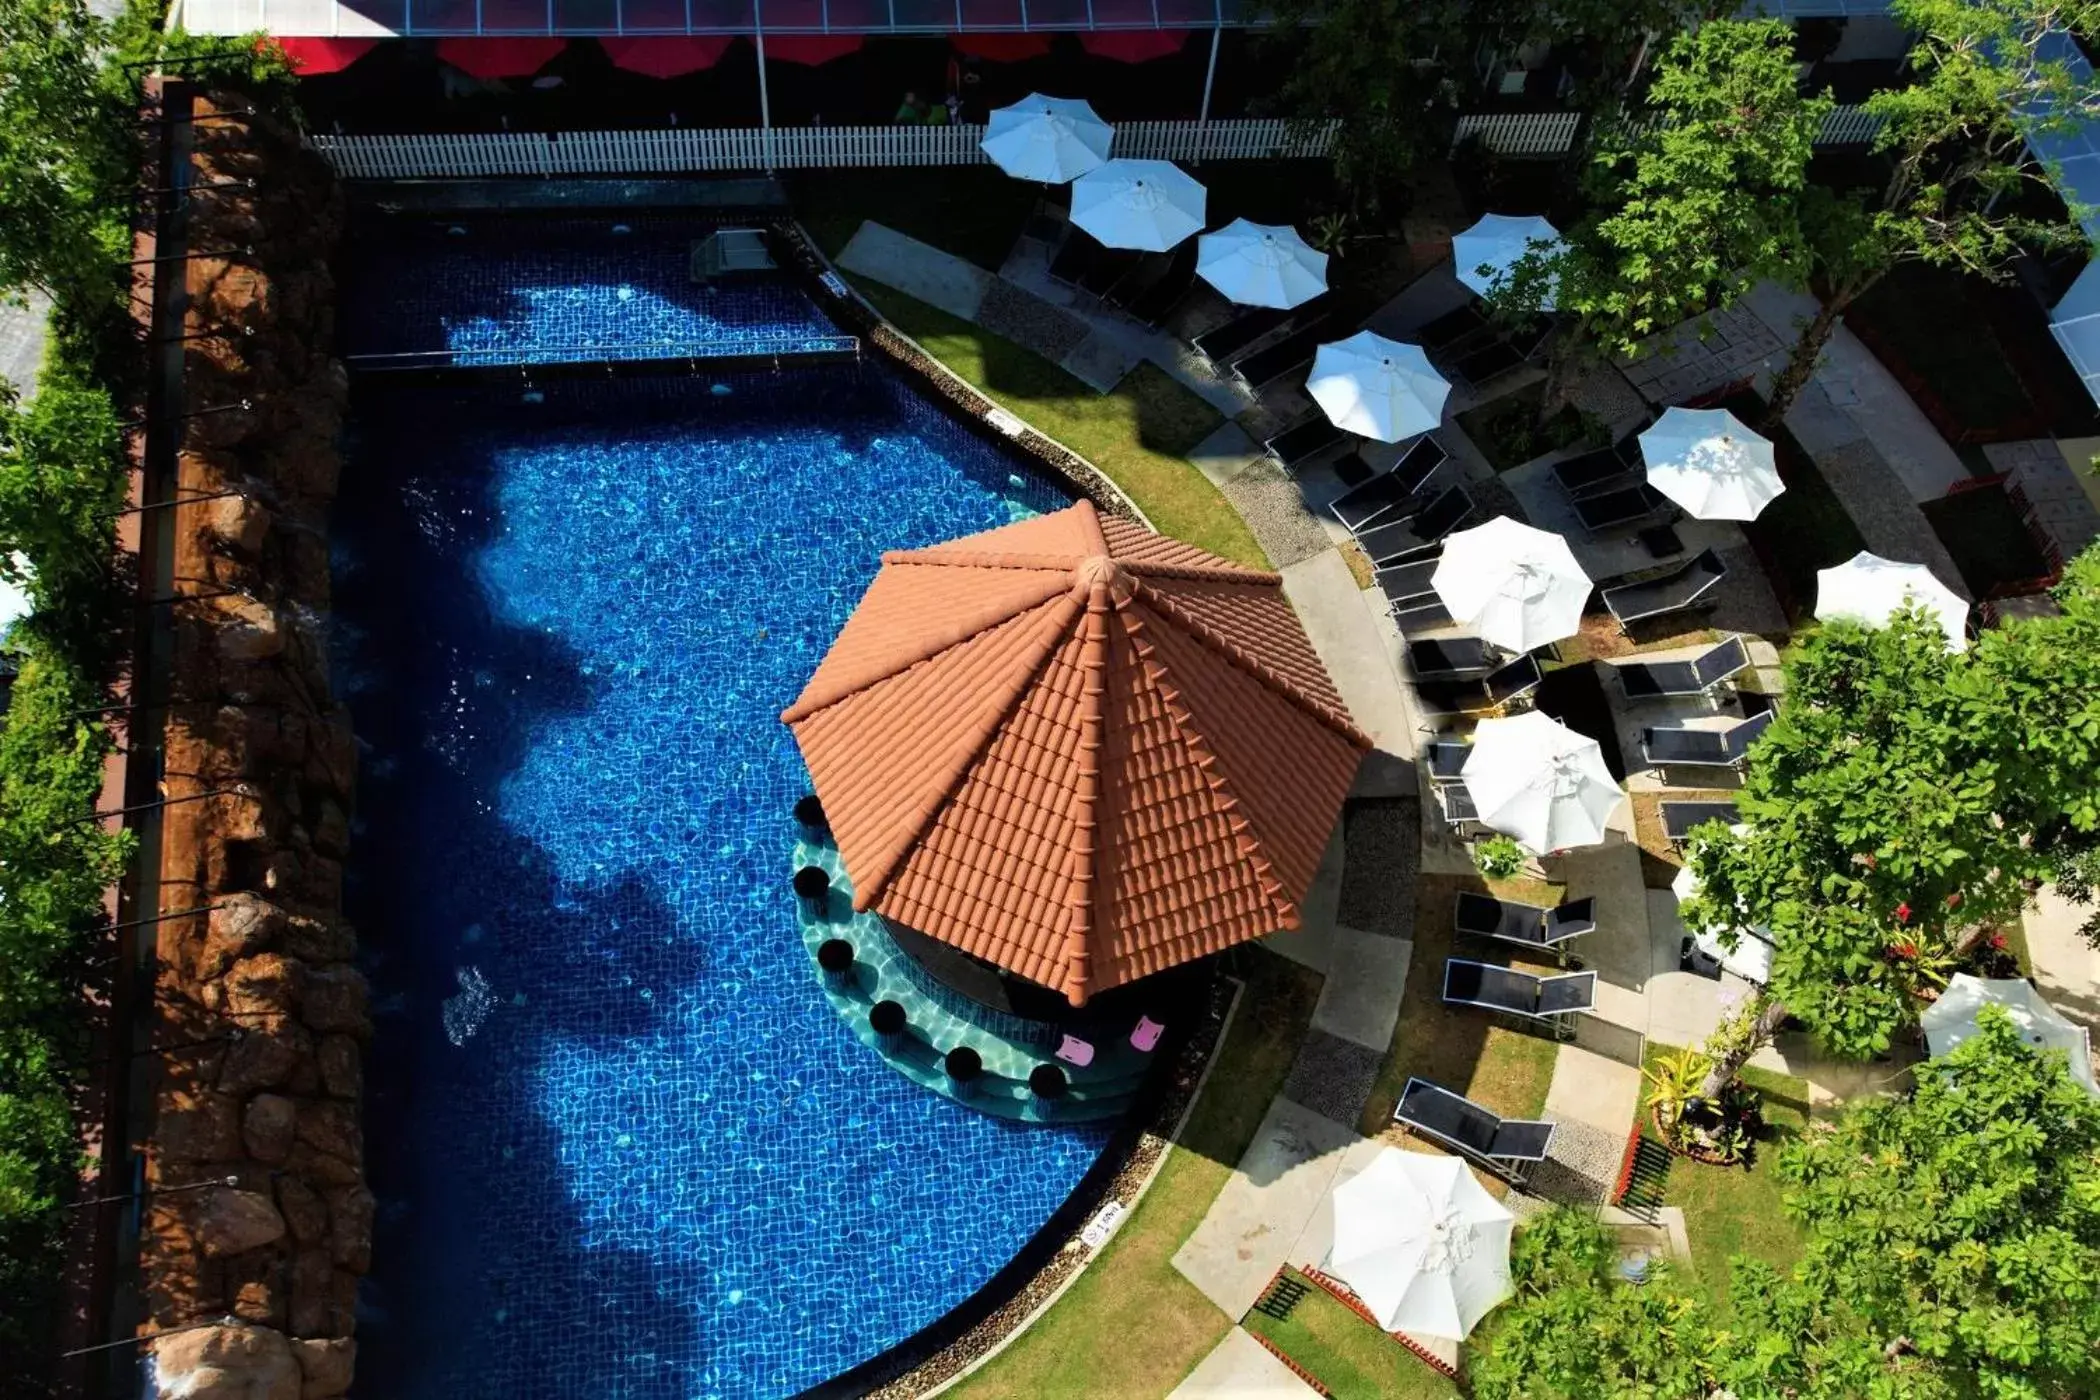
<point x="1381" y="854"/>
<point x="1333" y="1076"/>
<point x="1268" y="499"/>
<point x="1028" y="320"/>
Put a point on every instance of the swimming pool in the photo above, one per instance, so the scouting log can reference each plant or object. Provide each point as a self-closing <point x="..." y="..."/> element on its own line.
<point x="623" y="1147"/>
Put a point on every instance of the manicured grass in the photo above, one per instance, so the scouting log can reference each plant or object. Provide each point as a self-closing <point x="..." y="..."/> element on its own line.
<point x="1132" y="1326"/>
<point x="1458" y="1048"/>
<point x="1736" y="1210"/>
<point x="1353" y="1359"/>
<point x="1138" y="434"/>
<point x="974" y="212"/>
<point x="1982" y="529"/>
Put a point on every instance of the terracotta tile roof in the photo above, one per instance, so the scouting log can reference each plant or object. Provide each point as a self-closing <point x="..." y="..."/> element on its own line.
<point x="1077" y="749"/>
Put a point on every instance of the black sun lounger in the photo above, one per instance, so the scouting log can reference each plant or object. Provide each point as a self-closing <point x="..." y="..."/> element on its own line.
<point x="1451" y="658"/>
<point x="1488" y="363"/>
<point x="1447" y="759"/>
<point x="1587" y="473"/>
<point x="1359" y="506"/>
<point x="1151" y="305"/>
<point x="1421" y="614"/>
<point x="1506" y="1146"/>
<point x="1221" y="345"/>
<point x="1406" y="585"/>
<point x="1304" y="440"/>
<point x="1649" y="680"/>
<point x="1671" y="745"/>
<point x="1514" y="993"/>
<point x="1267" y="365"/>
<point x="1492" y="692"/>
<point x="1528" y="925"/>
<point x="1628" y="505"/>
<point x="1456" y="804"/>
<point x="1397" y="541"/>
<point x="1453" y="330"/>
<point x="1681" y="819"/>
<point x="1075" y="257"/>
<point x="1674" y="591"/>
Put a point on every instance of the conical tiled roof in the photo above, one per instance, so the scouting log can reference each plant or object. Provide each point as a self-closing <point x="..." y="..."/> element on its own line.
<point x="1077" y="749"/>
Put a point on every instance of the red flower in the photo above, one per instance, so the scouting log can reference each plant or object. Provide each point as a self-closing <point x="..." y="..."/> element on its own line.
<point x="1998" y="941"/>
<point x="1903" y="950"/>
<point x="1954" y="900"/>
<point x="1868" y="860"/>
<point x="1903" y="913"/>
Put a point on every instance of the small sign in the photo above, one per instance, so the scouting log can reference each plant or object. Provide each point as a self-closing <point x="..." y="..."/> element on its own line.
<point x="1102" y="1225"/>
<point x="836" y="285"/>
<point x="1005" y="422"/>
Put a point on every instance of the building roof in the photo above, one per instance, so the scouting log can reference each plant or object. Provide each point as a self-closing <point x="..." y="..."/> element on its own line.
<point x="1077" y="749"/>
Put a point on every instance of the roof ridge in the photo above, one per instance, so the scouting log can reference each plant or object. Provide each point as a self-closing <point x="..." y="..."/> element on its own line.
<point x="1052" y="630"/>
<point x="1238" y="817"/>
<point x="943" y="558"/>
<point x="961" y="628"/>
<point x="1226" y="572"/>
<point x="1077" y="958"/>
<point x="1338" y="720"/>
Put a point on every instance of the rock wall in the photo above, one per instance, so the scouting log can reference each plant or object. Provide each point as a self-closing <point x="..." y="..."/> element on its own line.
<point x="259" y="1011"/>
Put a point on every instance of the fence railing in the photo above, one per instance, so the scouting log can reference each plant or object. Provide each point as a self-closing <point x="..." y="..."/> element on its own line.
<point x="1545" y="135"/>
<point x="684" y="150"/>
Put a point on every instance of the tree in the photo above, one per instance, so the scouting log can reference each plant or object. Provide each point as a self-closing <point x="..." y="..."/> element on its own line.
<point x="62" y="479"/>
<point x="1964" y="1220"/>
<point x="1899" y="807"/>
<point x="1990" y="73"/>
<point x="58" y="159"/>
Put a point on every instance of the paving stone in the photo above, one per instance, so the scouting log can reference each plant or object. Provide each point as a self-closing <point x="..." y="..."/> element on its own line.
<point x="1332" y="1076"/>
<point x="1382" y="852"/>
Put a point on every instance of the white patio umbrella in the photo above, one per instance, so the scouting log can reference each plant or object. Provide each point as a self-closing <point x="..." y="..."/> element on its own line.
<point x="1750" y="959"/>
<point x="1484" y="253"/>
<point x="1421" y="1243"/>
<point x="2075" y="322"/>
<point x="1538" y="780"/>
<point x="1870" y="589"/>
<point x="1261" y="264"/>
<point x="1952" y="1019"/>
<point x="1052" y="139"/>
<point x="1147" y="204"/>
<point x="1708" y="462"/>
<point x="1515" y="586"/>
<point x="1378" y="388"/>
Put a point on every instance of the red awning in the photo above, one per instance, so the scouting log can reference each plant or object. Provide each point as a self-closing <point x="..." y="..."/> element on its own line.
<point x="1001" y="48"/>
<point x="668" y="57"/>
<point x="314" y="54"/>
<point x="810" y="50"/>
<point x="1134" y="45"/>
<point x="500" y="58"/>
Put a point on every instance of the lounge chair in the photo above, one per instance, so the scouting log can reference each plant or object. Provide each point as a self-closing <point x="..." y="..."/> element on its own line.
<point x="1111" y="267"/>
<point x="1506" y="1146"/>
<point x="1406" y="585"/>
<point x="1454" y="330"/>
<point x="1628" y="505"/>
<point x="1075" y="257"/>
<point x="1134" y="283"/>
<point x="1492" y="692"/>
<point x="1675" y="745"/>
<point x="1447" y="759"/>
<point x="1651" y="680"/>
<point x="1452" y="658"/>
<point x="1589" y="473"/>
<point x="1681" y="819"/>
<point x="1487" y="364"/>
<point x="1304" y="440"/>
<point x="1420" y="614"/>
<point x="1514" y="993"/>
<point x="1264" y="367"/>
<point x="1396" y="541"/>
<point x="1221" y="345"/>
<point x="1531" y="926"/>
<point x="1456" y="804"/>
<point x="1151" y="306"/>
<point x="1390" y="490"/>
<point x="1674" y="591"/>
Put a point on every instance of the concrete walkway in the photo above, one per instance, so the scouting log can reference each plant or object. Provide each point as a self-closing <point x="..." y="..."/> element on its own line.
<point x="2066" y="967"/>
<point x="1239" y="1368"/>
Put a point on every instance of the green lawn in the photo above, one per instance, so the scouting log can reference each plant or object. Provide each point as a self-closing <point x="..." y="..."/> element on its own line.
<point x="1459" y="1048"/>
<point x="1735" y="1210"/>
<point x="1353" y="1359"/>
<point x="1132" y="1326"/>
<point x="1138" y="434"/>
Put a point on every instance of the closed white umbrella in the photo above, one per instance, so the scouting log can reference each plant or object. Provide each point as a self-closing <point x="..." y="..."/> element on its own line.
<point x="1146" y="204"/>
<point x="1870" y="589"/>
<point x="1261" y="265"/>
<point x="1953" y="1019"/>
<point x="1052" y="139"/>
<point x="1378" y="388"/>
<point x="1515" y="586"/>
<point x="1421" y="1243"/>
<point x="1750" y="958"/>
<point x="1708" y="462"/>
<point x="1539" y="781"/>
<point x="1484" y="253"/>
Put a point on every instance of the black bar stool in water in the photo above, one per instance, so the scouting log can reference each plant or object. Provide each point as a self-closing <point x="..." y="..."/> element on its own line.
<point x="886" y="1019"/>
<point x="965" y="1066"/>
<point x="809" y="815"/>
<point x="1046" y="1085"/>
<point x="813" y="888"/>
<point x="835" y="957"/>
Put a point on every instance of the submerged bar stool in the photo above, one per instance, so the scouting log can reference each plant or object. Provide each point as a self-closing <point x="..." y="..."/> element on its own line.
<point x="886" y="1019"/>
<point x="809" y="815"/>
<point x="813" y="888"/>
<point x="835" y="957"/>
<point x="1046" y="1086"/>
<point x="965" y="1066"/>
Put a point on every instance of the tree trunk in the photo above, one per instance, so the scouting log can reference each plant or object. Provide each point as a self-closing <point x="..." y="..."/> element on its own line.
<point x="1801" y="364"/>
<point x="1771" y="1015"/>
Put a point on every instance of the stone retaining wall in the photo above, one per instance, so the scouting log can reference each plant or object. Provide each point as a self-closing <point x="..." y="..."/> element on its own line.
<point x="263" y="987"/>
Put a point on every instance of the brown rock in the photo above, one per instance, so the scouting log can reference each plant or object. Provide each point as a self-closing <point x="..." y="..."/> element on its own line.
<point x="241" y="926"/>
<point x="230" y="1362"/>
<point x="230" y="1221"/>
<point x="268" y="1127"/>
<point x="316" y="1303"/>
<point x="342" y="1063"/>
<point x="331" y="1128"/>
<point x="332" y="829"/>
<point x="303" y="1209"/>
<point x="200" y="1128"/>
<point x="235" y="523"/>
<point x="258" y="1285"/>
<point x="319" y="1168"/>
<point x="350" y="1228"/>
<point x="265" y="1056"/>
<point x="248" y="628"/>
<point x="335" y="1000"/>
<point x="320" y="940"/>
<point x="264" y="985"/>
<point x="321" y="881"/>
<point x="328" y="1365"/>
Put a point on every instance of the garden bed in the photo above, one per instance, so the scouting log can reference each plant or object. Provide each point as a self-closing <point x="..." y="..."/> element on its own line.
<point x="1806" y="529"/>
<point x="1987" y="537"/>
<point x="1508" y="432"/>
<point x="1345" y="1354"/>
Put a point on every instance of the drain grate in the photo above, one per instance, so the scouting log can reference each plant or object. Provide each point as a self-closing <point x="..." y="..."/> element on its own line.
<point x="1645" y="1184"/>
<point x="1284" y="1294"/>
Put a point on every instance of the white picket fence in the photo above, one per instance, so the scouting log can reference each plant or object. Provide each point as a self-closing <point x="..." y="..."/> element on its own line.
<point x="1544" y="135"/>
<point x="683" y="150"/>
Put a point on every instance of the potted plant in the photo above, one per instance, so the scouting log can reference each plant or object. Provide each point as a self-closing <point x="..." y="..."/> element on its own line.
<point x="1716" y="1130"/>
<point x="1499" y="857"/>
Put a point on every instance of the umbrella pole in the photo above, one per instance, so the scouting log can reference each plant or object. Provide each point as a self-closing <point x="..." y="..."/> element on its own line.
<point x="765" y="104"/>
<point x="1210" y="76"/>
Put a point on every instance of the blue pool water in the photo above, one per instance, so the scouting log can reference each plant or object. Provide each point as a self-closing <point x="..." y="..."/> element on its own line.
<point x="566" y="290"/>
<point x="623" y="1147"/>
